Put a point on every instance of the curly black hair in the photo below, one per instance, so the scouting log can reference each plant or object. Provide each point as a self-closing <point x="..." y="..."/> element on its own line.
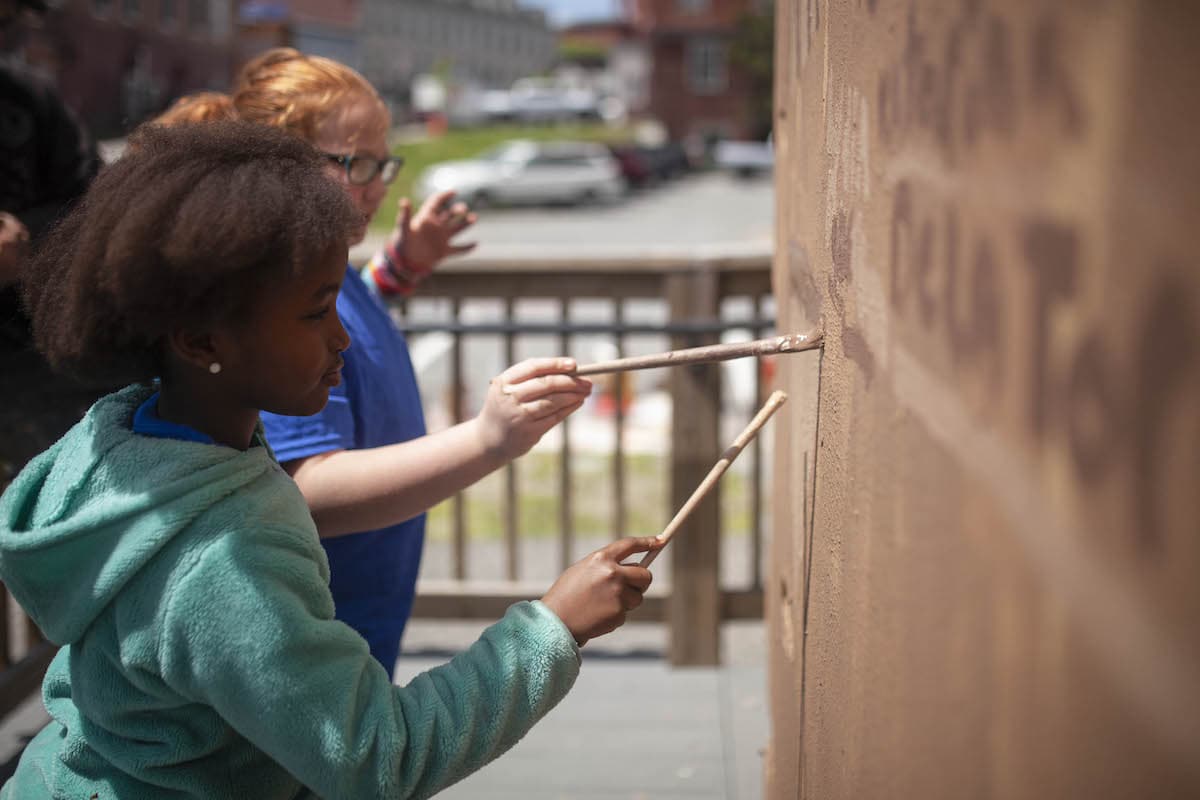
<point x="190" y="226"/>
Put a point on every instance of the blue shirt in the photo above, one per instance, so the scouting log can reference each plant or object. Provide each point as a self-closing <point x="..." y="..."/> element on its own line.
<point x="373" y="574"/>
<point x="147" y="422"/>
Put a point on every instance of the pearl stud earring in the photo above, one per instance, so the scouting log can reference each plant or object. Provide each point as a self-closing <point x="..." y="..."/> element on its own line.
<point x="214" y="367"/>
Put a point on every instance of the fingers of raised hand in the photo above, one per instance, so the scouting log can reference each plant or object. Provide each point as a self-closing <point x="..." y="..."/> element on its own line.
<point x="437" y="202"/>
<point x="545" y="386"/>
<point x="550" y="409"/>
<point x="458" y="216"/>
<point x="532" y="367"/>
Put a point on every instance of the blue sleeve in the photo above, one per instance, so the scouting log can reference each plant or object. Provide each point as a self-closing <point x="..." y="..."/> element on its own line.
<point x="332" y="428"/>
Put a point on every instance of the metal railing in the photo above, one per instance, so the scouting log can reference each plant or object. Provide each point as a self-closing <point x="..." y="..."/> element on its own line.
<point x="693" y="302"/>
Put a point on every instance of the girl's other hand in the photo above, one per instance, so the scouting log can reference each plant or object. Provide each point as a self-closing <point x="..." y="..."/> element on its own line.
<point x="595" y="593"/>
<point x="527" y="400"/>
<point x="425" y="239"/>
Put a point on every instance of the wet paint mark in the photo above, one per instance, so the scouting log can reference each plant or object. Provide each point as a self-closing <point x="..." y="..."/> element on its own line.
<point x="1050" y="83"/>
<point x="1168" y="357"/>
<point x="1051" y="252"/>
<point x="841" y="247"/>
<point x="969" y="85"/>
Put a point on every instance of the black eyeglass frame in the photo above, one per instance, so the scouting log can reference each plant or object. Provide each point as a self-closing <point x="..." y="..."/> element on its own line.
<point x="395" y="163"/>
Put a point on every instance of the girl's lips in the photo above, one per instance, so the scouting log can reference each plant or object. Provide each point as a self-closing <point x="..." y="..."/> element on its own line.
<point x="334" y="376"/>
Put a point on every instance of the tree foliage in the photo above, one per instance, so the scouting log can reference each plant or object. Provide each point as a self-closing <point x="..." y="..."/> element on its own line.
<point x="753" y="52"/>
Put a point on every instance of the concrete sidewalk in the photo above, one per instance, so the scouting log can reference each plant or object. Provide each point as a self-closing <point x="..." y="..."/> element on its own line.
<point x="633" y="728"/>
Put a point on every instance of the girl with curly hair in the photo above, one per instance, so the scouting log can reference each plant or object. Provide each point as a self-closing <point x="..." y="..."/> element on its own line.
<point x="162" y="546"/>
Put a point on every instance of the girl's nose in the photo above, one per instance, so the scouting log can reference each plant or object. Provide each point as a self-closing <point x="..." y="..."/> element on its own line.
<point x="341" y="339"/>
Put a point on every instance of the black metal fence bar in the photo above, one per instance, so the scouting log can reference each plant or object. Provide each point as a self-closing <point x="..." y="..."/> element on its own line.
<point x="456" y="405"/>
<point x="566" y="515"/>
<point x="618" y="459"/>
<point x="512" y="496"/>
<point x="754" y="496"/>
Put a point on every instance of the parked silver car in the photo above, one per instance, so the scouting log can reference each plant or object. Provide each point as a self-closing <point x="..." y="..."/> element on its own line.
<point x="523" y="171"/>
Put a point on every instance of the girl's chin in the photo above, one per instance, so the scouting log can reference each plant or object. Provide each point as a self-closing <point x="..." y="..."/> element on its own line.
<point x="358" y="234"/>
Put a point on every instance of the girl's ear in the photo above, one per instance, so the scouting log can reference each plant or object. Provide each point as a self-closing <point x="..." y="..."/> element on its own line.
<point x="199" y="349"/>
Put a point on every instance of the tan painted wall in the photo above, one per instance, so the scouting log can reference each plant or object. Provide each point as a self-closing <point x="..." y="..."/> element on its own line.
<point x="989" y="585"/>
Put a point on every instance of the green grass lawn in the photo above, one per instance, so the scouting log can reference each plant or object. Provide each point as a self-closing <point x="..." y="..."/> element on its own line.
<point x="646" y="502"/>
<point x="468" y="143"/>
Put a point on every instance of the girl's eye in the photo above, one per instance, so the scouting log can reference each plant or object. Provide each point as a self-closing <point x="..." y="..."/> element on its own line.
<point x="317" y="316"/>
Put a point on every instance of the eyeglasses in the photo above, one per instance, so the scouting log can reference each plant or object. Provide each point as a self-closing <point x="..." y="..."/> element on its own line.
<point x="361" y="170"/>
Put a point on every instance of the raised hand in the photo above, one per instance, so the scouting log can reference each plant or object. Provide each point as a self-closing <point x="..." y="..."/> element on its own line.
<point x="425" y="239"/>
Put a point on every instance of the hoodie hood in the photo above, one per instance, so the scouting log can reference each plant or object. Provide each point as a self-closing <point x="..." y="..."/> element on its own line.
<point x="86" y="515"/>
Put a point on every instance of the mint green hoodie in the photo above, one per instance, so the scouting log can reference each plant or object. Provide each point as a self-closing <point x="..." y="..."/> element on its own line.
<point x="200" y="654"/>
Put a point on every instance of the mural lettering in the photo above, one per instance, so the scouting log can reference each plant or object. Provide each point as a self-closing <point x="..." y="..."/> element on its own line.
<point x="957" y="299"/>
<point x="969" y="85"/>
<point x="1076" y="397"/>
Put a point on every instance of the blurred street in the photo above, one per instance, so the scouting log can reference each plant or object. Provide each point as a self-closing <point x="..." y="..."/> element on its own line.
<point x="708" y="212"/>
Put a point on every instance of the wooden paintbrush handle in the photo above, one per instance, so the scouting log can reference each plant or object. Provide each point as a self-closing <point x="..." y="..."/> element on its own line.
<point x="794" y="343"/>
<point x="772" y="405"/>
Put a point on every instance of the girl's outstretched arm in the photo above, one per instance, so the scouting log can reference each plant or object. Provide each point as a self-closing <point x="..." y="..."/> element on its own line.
<point x="357" y="490"/>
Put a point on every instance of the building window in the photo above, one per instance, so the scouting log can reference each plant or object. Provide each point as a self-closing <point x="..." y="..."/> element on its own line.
<point x="706" y="66"/>
<point x="693" y="6"/>
<point x="102" y="8"/>
<point x="131" y="9"/>
<point x="168" y="13"/>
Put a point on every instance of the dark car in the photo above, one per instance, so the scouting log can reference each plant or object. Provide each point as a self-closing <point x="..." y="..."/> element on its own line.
<point x="667" y="161"/>
<point x="633" y="164"/>
<point x="641" y="165"/>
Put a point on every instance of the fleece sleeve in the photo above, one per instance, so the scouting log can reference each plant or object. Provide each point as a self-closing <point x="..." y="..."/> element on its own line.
<point x="250" y="632"/>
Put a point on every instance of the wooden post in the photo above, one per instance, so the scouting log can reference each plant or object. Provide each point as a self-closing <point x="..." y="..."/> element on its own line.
<point x="694" y="610"/>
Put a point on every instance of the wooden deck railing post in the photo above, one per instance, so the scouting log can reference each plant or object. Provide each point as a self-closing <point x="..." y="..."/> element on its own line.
<point x="694" y="609"/>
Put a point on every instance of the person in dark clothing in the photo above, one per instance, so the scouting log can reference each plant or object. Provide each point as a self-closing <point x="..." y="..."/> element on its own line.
<point x="46" y="162"/>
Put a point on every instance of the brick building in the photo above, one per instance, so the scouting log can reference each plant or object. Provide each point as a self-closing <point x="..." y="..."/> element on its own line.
<point x="696" y="89"/>
<point x="117" y="62"/>
<point x="329" y="28"/>
<point x="489" y="43"/>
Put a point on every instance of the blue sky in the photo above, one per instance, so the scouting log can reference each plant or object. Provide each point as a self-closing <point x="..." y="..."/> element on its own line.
<point x="563" y="12"/>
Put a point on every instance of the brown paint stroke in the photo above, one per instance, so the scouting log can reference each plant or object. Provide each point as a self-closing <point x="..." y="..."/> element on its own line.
<point x="1051" y="87"/>
<point x="1094" y="430"/>
<point x="918" y="254"/>
<point x="992" y="105"/>
<point x="976" y="326"/>
<point x="967" y="90"/>
<point x="841" y="249"/>
<point x="1051" y="253"/>
<point x="901" y="234"/>
<point x="1168" y="353"/>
